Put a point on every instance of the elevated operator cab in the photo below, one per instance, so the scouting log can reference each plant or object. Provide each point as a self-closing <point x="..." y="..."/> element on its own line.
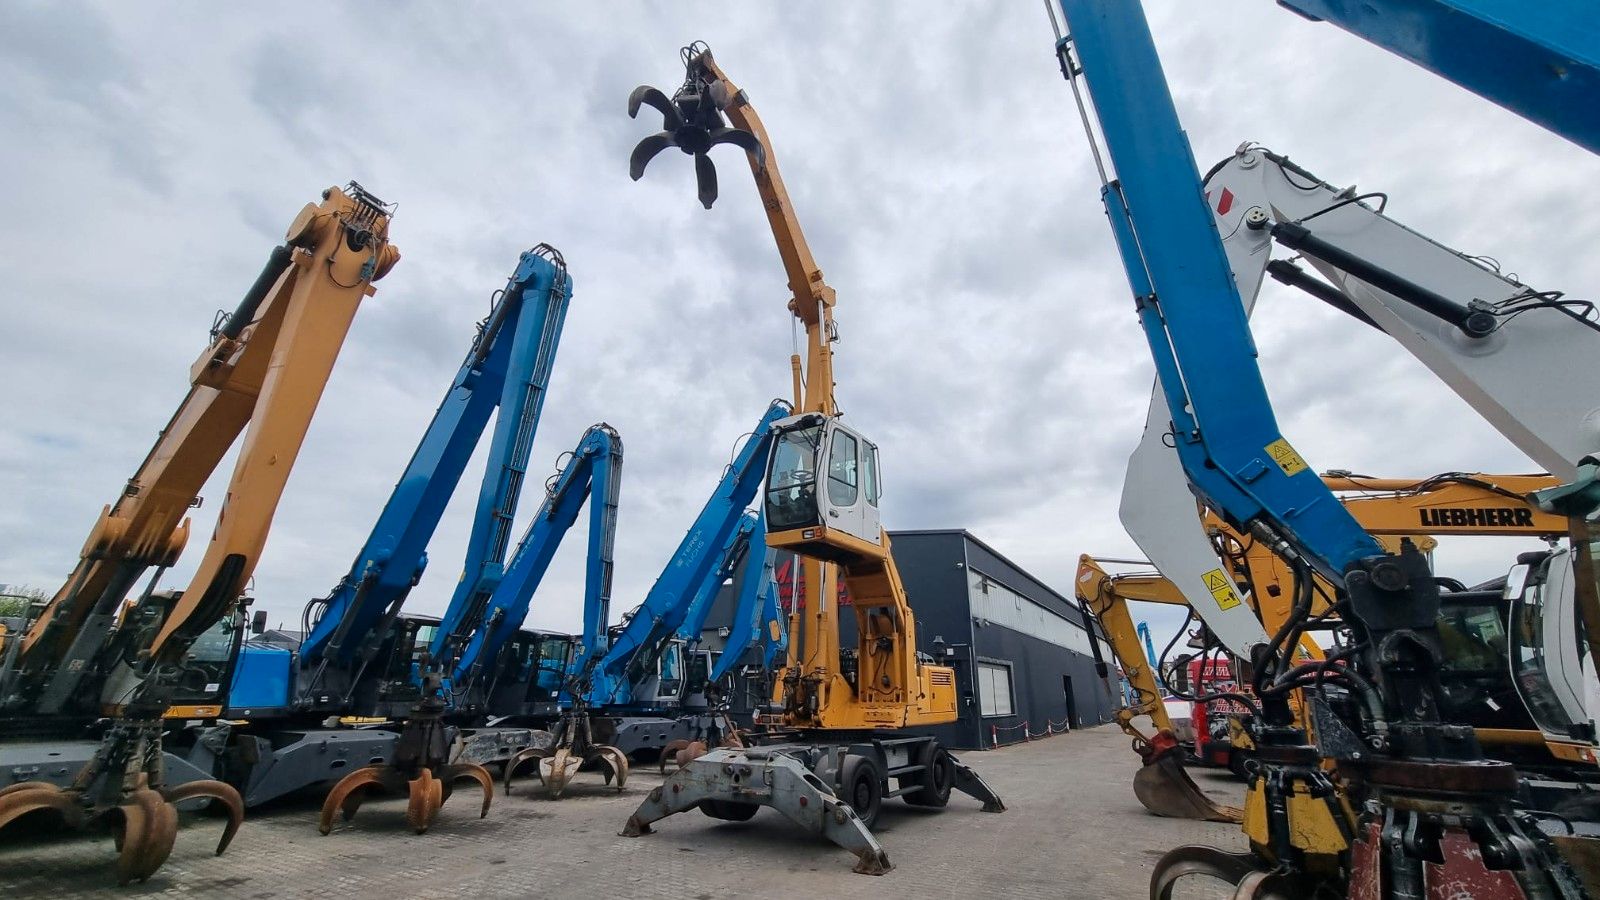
<point x="835" y="520"/>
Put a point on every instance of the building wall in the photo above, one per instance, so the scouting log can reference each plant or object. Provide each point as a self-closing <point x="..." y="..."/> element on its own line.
<point x="1018" y="622"/>
<point x="1006" y="617"/>
<point x="933" y="569"/>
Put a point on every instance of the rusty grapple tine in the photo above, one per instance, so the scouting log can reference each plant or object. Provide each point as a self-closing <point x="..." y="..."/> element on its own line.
<point x="646" y="95"/>
<point x="670" y="752"/>
<point x="150" y="826"/>
<point x="216" y="790"/>
<point x="516" y="762"/>
<point x="347" y="795"/>
<point x="29" y="796"/>
<point x="477" y="773"/>
<point x="646" y="151"/>
<point x="617" y="760"/>
<point x="423" y="802"/>
<point x="561" y="764"/>
<point x="27" y="786"/>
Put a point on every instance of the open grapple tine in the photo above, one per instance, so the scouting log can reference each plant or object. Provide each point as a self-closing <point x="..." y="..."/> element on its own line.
<point x="670" y="752"/>
<point x="646" y="151"/>
<point x="556" y="769"/>
<point x="644" y="94"/>
<point x="347" y="795"/>
<point x="705" y="176"/>
<point x="423" y="799"/>
<point x="459" y="771"/>
<point x="149" y="828"/>
<point x="215" y="790"/>
<point x="1198" y="860"/>
<point x="616" y="761"/>
<point x="742" y="139"/>
<point x="516" y="762"/>
<point x="18" y="800"/>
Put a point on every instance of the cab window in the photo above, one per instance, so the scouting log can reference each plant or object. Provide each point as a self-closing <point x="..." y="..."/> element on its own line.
<point x="843" y="483"/>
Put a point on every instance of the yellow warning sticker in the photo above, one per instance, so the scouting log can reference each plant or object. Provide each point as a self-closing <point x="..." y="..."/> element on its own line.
<point x="1221" y="589"/>
<point x="1284" y="455"/>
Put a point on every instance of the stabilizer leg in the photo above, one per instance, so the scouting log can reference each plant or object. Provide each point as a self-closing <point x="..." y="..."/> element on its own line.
<point x="756" y="777"/>
<point x="968" y="782"/>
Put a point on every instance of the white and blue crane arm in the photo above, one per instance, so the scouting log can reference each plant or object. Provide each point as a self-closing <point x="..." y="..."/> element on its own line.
<point x="1519" y="356"/>
<point x="1223" y="426"/>
<point x="633" y="651"/>
<point x="513" y="345"/>
<point x="594" y="471"/>
<point x="1537" y="58"/>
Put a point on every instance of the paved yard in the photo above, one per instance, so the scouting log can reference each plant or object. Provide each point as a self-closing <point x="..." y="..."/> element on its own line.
<point x="1073" y="829"/>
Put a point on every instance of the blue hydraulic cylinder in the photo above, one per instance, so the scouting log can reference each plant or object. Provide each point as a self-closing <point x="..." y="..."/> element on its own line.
<point x="1224" y="429"/>
<point x="607" y="681"/>
<point x="595" y="470"/>
<point x="517" y="332"/>
<point x="756" y="617"/>
<point x="1537" y="58"/>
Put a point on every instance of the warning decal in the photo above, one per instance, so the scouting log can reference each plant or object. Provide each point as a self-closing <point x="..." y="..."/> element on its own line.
<point x="1221" y="589"/>
<point x="1286" y="458"/>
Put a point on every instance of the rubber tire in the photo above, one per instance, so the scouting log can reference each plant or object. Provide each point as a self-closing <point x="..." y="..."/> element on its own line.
<point x="862" y="788"/>
<point x="936" y="779"/>
<point x="729" y="810"/>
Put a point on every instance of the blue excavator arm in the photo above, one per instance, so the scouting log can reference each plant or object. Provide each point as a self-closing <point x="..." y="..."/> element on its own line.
<point x="1537" y="58"/>
<point x="508" y="368"/>
<point x="756" y="617"/>
<point x="595" y="470"/>
<point x="1226" y="434"/>
<point x="658" y="620"/>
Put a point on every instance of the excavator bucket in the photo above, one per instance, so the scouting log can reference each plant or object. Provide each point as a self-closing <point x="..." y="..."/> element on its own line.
<point x="691" y="120"/>
<point x="1165" y="788"/>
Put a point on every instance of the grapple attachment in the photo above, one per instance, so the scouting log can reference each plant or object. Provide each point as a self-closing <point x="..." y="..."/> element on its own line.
<point x="421" y="768"/>
<point x="144" y="819"/>
<point x="573" y="748"/>
<point x="692" y="120"/>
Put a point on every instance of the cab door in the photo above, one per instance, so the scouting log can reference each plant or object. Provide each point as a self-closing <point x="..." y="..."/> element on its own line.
<point x="845" y="501"/>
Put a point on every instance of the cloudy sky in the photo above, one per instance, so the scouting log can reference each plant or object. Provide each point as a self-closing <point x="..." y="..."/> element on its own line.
<point x="152" y="157"/>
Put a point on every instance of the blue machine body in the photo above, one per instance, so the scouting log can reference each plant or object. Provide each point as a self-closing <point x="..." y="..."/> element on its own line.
<point x="678" y="602"/>
<point x="508" y="368"/>
<point x="1537" y="58"/>
<point x="263" y="679"/>
<point x="1224" y="429"/>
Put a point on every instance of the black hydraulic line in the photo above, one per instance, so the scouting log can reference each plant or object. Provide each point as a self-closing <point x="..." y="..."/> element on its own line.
<point x="1473" y="323"/>
<point x="1288" y="273"/>
<point x="277" y="263"/>
<point x="1100" y="666"/>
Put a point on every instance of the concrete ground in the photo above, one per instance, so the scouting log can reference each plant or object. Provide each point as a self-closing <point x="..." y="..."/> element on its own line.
<point x="1073" y="829"/>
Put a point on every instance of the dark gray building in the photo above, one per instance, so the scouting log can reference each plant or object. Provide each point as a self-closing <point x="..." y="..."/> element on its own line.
<point x="1020" y="650"/>
<point x="1022" y="657"/>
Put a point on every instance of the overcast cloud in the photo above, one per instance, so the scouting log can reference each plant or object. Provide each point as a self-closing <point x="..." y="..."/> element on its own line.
<point x="153" y="156"/>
